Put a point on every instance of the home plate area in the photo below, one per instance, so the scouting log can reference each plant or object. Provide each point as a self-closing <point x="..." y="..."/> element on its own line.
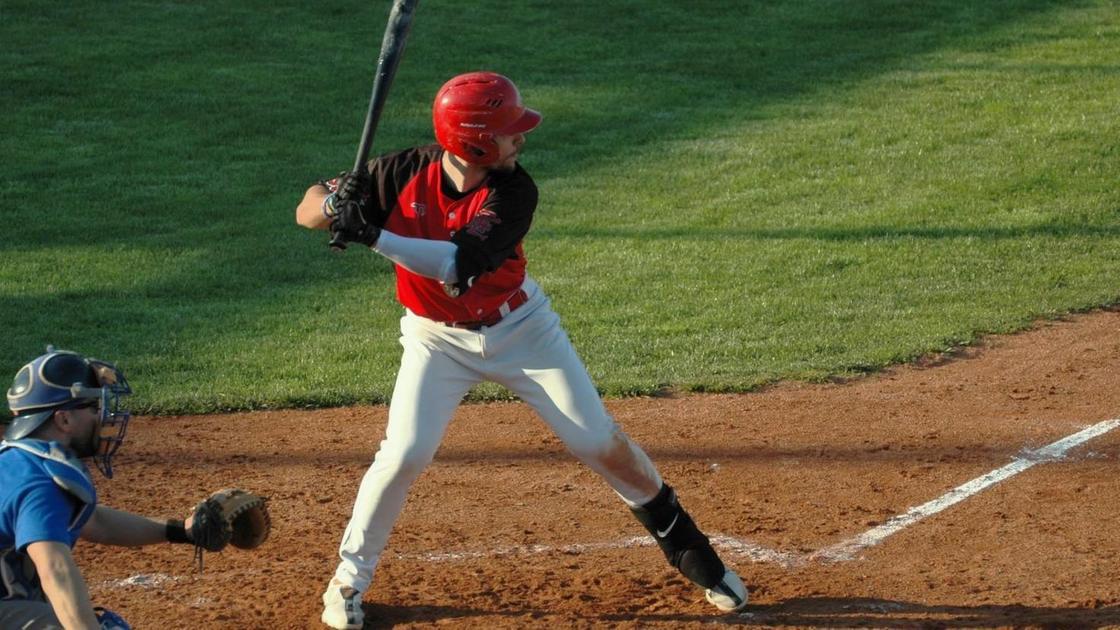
<point x="975" y="489"/>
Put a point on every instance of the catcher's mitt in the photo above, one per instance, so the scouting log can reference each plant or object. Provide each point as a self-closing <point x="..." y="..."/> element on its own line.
<point x="230" y="516"/>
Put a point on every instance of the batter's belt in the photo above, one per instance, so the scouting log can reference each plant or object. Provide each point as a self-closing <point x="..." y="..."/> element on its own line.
<point x="517" y="299"/>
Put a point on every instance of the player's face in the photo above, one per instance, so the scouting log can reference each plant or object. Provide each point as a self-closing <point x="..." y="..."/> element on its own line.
<point x="508" y="149"/>
<point x="87" y="428"/>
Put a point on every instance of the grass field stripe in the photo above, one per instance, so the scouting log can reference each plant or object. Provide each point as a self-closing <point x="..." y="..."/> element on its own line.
<point x="846" y="550"/>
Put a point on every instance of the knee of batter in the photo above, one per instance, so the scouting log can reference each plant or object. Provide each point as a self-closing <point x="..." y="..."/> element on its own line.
<point x="403" y="461"/>
<point x="623" y="464"/>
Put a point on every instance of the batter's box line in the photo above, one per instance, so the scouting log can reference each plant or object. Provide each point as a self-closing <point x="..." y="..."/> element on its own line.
<point x="737" y="546"/>
<point x="527" y="550"/>
<point x="850" y="549"/>
<point x="842" y="551"/>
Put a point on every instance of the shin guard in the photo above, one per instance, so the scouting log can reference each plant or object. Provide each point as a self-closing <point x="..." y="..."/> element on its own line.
<point x="684" y="545"/>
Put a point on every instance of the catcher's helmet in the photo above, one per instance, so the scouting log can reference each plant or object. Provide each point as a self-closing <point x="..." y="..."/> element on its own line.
<point x="472" y="108"/>
<point x="61" y="379"/>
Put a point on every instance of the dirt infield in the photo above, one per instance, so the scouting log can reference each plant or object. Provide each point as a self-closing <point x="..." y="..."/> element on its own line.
<point x="506" y="530"/>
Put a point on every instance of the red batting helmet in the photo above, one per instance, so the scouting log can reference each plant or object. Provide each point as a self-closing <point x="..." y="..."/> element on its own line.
<point x="472" y="108"/>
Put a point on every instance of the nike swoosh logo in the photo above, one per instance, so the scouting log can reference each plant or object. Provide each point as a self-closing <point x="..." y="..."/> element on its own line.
<point x="662" y="534"/>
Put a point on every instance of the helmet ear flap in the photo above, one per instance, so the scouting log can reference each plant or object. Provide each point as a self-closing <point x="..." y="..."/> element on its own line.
<point x="474" y="149"/>
<point x="480" y="150"/>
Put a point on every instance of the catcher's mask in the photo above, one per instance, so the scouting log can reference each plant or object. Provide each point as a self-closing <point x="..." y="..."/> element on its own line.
<point x="61" y="380"/>
<point x="472" y="108"/>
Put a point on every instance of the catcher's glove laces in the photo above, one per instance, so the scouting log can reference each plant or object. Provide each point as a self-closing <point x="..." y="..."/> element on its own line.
<point x="211" y="531"/>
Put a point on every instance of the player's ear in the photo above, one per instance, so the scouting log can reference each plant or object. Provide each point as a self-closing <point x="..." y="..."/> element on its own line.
<point x="55" y="423"/>
<point x="63" y="420"/>
<point x="67" y="421"/>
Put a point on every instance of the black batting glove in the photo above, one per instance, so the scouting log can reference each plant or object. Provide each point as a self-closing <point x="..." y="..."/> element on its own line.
<point x="353" y="187"/>
<point x="350" y="226"/>
<point x="366" y="235"/>
<point x="344" y="207"/>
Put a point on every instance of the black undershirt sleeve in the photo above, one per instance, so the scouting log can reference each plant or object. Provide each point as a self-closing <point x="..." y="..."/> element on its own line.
<point x="493" y="234"/>
<point x="389" y="174"/>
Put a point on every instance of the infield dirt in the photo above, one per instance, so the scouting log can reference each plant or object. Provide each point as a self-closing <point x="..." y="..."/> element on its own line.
<point x="506" y="530"/>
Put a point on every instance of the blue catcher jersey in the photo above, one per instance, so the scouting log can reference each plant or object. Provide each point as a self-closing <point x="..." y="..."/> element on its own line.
<point x="46" y="494"/>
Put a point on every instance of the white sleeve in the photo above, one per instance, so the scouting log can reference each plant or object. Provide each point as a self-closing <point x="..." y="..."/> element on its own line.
<point x="431" y="259"/>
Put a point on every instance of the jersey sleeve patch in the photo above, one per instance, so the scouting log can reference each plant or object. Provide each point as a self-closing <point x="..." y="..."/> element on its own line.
<point x="482" y="223"/>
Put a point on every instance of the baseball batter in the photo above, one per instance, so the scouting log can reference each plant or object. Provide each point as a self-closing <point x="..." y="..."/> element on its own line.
<point x="452" y="218"/>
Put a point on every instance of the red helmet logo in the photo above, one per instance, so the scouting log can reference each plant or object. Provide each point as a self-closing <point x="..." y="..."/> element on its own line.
<point x="472" y="108"/>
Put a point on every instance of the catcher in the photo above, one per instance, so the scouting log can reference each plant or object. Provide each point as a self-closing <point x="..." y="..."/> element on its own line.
<point x="66" y="408"/>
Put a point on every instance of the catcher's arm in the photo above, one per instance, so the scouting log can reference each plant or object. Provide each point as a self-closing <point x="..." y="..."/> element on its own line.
<point x="63" y="584"/>
<point x="124" y="529"/>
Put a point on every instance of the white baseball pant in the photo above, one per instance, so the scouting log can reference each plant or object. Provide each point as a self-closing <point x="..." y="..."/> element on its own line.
<point x="527" y="352"/>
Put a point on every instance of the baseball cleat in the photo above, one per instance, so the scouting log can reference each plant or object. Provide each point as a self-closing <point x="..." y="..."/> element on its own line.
<point x="342" y="607"/>
<point x="729" y="595"/>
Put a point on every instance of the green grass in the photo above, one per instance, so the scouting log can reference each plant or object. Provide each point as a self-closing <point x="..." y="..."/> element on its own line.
<point x="731" y="193"/>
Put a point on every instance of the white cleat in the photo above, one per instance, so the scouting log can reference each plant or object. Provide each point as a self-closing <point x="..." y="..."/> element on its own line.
<point x="342" y="607"/>
<point x="729" y="595"/>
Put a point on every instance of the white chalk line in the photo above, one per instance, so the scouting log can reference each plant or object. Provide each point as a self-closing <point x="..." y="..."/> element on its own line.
<point x="741" y="548"/>
<point x="839" y="552"/>
<point x="141" y="580"/>
<point x="526" y="550"/>
<point x="848" y="549"/>
<point x="737" y="546"/>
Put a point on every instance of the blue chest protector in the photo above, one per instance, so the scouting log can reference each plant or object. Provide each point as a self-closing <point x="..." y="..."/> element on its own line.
<point x="62" y="467"/>
<point x="18" y="579"/>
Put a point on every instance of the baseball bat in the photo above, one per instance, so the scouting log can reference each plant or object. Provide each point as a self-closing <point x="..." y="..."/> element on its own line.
<point x="392" y="48"/>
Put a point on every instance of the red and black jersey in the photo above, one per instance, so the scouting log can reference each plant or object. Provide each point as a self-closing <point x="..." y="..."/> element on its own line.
<point x="412" y="197"/>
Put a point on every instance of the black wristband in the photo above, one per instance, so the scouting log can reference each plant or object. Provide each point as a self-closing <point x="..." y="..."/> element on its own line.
<point x="176" y="532"/>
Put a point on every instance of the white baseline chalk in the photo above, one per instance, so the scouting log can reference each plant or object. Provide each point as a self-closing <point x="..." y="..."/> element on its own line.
<point x="526" y="550"/>
<point x="845" y="550"/>
<point x="848" y="549"/>
<point x="737" y="546"/>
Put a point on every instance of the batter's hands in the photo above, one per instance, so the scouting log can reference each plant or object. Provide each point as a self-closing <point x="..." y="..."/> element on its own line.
<point x="351" y="227"/>
<point x="344" y="208"/>
<point x="352" y="188"/>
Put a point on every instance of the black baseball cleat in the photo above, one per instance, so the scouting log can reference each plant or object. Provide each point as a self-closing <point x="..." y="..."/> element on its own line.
<point x="729" y="595"/>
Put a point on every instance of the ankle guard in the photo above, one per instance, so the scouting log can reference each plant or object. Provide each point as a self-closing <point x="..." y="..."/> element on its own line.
<point x="684" y="545"/>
